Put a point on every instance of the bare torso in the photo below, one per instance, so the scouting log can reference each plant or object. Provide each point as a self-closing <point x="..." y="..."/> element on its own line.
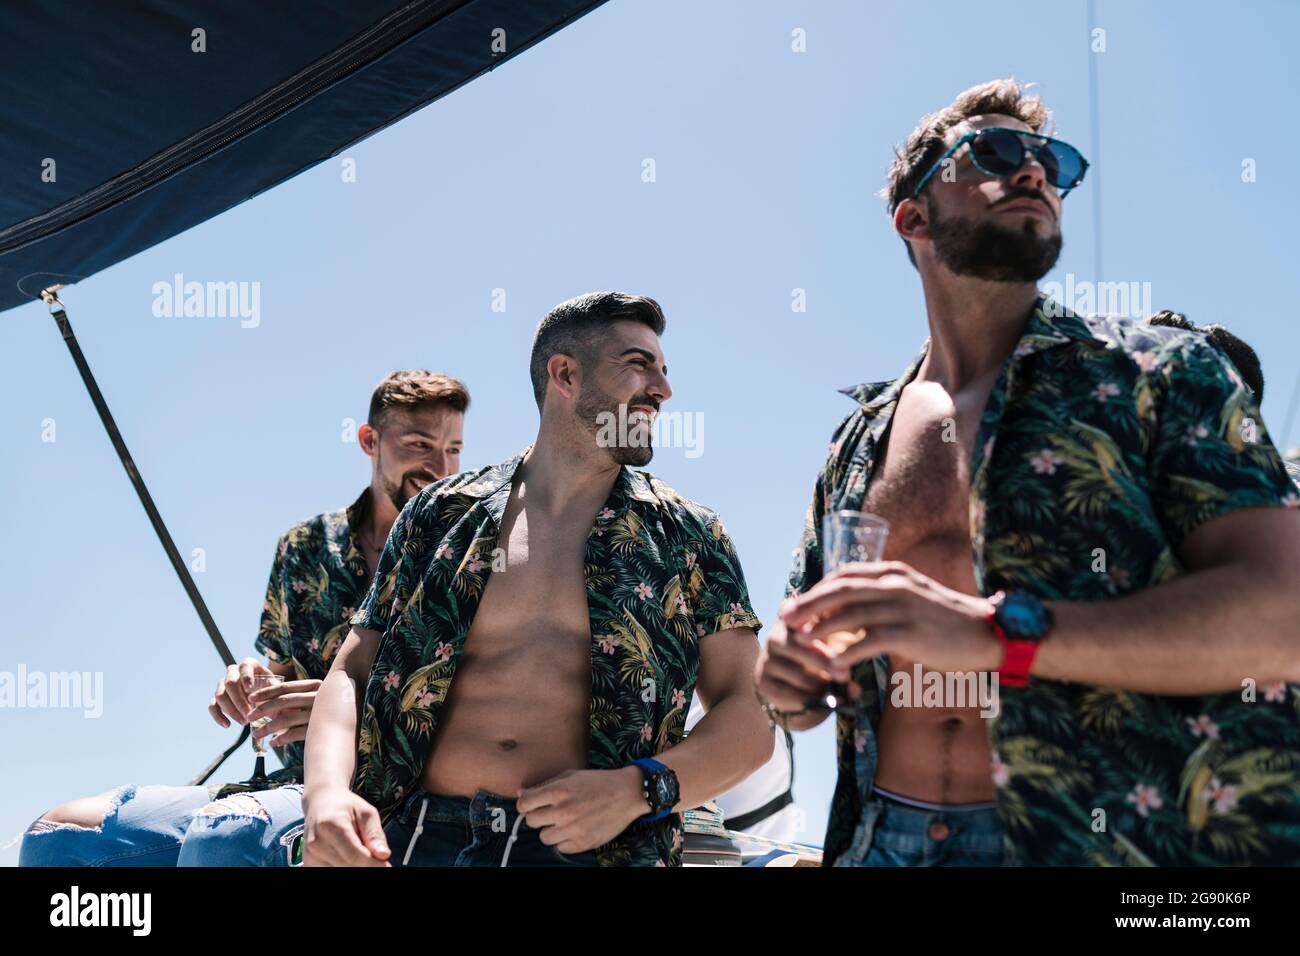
<point x="922" y="488"/>
<point x="517" y="712"/>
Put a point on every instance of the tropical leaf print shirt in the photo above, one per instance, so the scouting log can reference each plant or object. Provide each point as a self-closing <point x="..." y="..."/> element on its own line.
<point x="318" y="579"/>
<point x="1104" y="443"/>
<point x="661" y="575"/>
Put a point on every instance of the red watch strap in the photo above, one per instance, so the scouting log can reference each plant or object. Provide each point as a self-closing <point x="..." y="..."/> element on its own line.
<point x="1017" y="657"/>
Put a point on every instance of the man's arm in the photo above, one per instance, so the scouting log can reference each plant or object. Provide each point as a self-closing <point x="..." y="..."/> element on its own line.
<point x="331" y="754"/>
<point x="1235" y="615"/>
<point x="341" y="828"/>
<point x="732" y="739"/>
<point x="578" y="810"/>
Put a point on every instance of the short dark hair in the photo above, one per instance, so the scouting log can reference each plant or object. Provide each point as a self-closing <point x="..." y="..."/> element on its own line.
<point x="1241" y="355"/>
<point x="572" y="327"/>
<point x="414" y="388"/>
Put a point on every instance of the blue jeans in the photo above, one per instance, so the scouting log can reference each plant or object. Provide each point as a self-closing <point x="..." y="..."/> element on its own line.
<point x="893" y="834"/>
<point x="170" y="826"/>
<point x="483" y="830"/>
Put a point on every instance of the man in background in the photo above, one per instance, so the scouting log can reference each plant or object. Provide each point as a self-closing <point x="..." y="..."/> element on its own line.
<point x="319" y="575"/>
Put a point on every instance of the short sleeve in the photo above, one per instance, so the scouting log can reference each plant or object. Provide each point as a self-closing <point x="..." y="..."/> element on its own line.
<point x="715" y="588"/>
<point x="393" y="573"/>
<point x="1211" y="454"/>
<point x="273" y="635"/>
<point x="807" y="569"/>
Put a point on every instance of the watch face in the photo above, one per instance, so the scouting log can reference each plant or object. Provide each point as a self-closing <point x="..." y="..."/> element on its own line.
<point x="665" y="789"/>
<point x="1023" y="616"/>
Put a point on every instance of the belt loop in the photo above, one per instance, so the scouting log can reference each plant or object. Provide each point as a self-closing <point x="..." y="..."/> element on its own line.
<point x="419" y="828"/>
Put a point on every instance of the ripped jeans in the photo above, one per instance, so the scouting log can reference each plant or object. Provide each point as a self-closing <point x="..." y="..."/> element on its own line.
<point x="174" y="826"/>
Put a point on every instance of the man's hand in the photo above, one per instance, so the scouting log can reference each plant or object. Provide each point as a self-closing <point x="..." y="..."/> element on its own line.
<point x="579" y="810"/>
<point x="789" y="673"/>
<point x="904" y="613"/>
<point x="342" y="829"/>
<point x="230" y="702"/>
<point x="288" y="704"/>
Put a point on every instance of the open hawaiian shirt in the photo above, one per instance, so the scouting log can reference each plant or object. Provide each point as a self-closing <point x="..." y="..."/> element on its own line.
<point x="661" y="575"/>
<point x="1104" y="443"/>
<point x="318" y="579"/>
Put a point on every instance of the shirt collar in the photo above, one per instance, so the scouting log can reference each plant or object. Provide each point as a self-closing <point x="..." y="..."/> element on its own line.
<point x="353" y="516"/>
<point x="493" y="489"/>
<point x="1049" y="324"/>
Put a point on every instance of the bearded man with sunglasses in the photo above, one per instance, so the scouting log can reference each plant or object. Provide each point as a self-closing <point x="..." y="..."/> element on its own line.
<point x="1087" y="508"/>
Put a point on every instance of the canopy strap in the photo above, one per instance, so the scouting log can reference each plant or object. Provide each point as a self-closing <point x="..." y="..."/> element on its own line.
<point x="59" y="312"/>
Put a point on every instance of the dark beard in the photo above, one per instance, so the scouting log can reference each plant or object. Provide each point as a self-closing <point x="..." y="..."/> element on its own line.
<point x="397" y="493"/>
<point x="988" y="250"/>
<point x="592" y="404"/>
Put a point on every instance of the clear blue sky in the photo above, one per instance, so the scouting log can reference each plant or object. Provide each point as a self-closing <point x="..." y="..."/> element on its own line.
<point x="529" y="180"/>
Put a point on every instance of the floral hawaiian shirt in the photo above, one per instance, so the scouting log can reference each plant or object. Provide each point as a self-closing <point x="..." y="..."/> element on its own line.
<point x="661" y="575"/>
<point x="1104" y="443"/>
<point x="318" y="579"/>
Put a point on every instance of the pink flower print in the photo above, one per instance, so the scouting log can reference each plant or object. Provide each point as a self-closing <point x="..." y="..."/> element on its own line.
<point x="424" y="699"/>
<point x="1045" y="462"/>
<point x="699" y="630"/>
<point x="314" y="645"/>
<point x="681" y="604"/>
<point x="690" y="560"/>
<point x="1024" y="348"/>
<point x="475" y="564"/>
<point x="444" y="551"/>
<point x="645" y="732"/>
<point x="645" y="591"/>
<point x="1105" y="390"/>
<point x="348" y="612"/>
<point x="679" y="698"/>
<point x="392" y="680"/>
<point x="298" y="586"/>
<point x="1223" y="796"/>
<point x="1202" y="726"/>
<point x="1291" y="500"/>
<point x="1195" y="433"/>
<point x="1000" y="773"/>
<point x="1275" y="692"/>
<point x="334" y="548"/>
<point x="445" y="651"/>
<point x="605" y="514"/>
<point x="607" y="644"/>
<point x="1146" y="361"/>
<point x="860" y="740"/>
<point x="1145" y="799"/>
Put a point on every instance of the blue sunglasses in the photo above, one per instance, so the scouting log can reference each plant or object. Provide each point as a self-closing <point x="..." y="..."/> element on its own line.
<point x="1000" y="151"/>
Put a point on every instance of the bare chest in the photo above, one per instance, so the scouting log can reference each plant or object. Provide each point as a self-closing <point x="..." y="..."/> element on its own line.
<point x="921" y="478"/>
<point x="534" y="607"/>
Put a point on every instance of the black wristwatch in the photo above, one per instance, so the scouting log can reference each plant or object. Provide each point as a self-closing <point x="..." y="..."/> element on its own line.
<point x="659" y="787"/>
